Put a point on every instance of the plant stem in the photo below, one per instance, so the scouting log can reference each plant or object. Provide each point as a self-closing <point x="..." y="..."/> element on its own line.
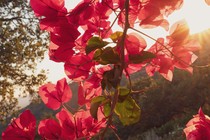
<point x="121" y="68"/>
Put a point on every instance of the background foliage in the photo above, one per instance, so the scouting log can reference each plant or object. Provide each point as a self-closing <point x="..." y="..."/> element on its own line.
<point x="22" y="46"/>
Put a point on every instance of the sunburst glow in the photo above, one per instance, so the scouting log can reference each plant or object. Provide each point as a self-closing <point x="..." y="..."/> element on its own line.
<point x="196" y="13"/>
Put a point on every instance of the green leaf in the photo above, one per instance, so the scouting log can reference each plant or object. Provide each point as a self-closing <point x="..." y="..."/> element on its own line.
<point x="109" y="56"/>
<point x="103" y="84"/>
<point x="95" y="43"/>
<point x="139" y="58"/>
<point x="128" y="111"/>
<point x="116" y="36"/>
<point x="107" y="79"/>
<point x="107" y="109"/>
<point x="124" y="91"/>
<point x="111" y="78"/>
<point x="95" y="103"/>
<point x="97" y="54"/>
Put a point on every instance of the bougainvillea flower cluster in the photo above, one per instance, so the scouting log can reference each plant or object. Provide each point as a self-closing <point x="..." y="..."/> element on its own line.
<point x="96" y="58"/>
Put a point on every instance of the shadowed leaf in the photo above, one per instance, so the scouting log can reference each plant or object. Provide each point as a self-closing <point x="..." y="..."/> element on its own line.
<point x="139" y="58"/>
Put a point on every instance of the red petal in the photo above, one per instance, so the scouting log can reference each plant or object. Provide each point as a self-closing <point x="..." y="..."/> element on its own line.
<point x="49" y="129"/>
<point x="61" y="28"/>
<point x="67" y="123"/>
<point x="53" y="95"/>
<point x="179" y="31"/>
<point x="48" y="95"/>
<point x="28" y="119"/>
<point x="135" y="43"/>
<point x="22" y="127"/>
<point x="81" y="95"/>
<point x="87" y="91"/>
<point x="47" y="8"/>
<point x="81" y="13"/>
<point x="61" y="52"/>
<point x="200" y="112"/>
<point x="63" y="90"/>
<point x="78" y="67"/>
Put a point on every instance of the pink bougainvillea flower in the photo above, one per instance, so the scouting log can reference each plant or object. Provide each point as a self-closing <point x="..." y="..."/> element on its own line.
<point x="97" y="20"/>
<point x="184" y="59"/>
<point x="86" y="91"/>
<point x="62" y="30"/>
<point x="134" y="7"/>
<point x="63" y="33"/>
<point x="61" y="52"/>
<point x="21" y="128"/>
<point x="163" y="62"/>
<point x="179" y="33"/>
<point x="54" y="95"/>
<point x="198" y="128"/>
<point x="48" y="8"/>
<point x="135" y="44"/>
<point x="91" y="87"/>
<point x="67" y="124"/>
<point x="78" y="67"/>
<point x="167" y="6"/>
<point x="49" y="129"/>
<point x="149" y="13"/>
<point x="81" y="13"/>
<point x="150" y="17"/>
<point x="182" y="46"/>
<point x="175" y="52"/>
<point x="79" y="125"/>
<point x="87" y="10"/>
<point x="87" y="125"/>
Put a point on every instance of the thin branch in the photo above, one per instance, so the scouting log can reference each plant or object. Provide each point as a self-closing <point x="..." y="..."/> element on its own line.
<point x="129" y="80"/>
<point x="14" y="18"/>
<point x="118" y="138"/>
<point x="122" y="66"/>
<point x="113" y="22"/>
<point x="204" y="66"/>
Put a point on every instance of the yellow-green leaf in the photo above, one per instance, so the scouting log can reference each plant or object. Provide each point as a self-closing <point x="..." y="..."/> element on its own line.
<point x="128" y="111"/>
<point x="107" y="109"/>
<point x="124" y="91"/>
<point x="116" y="36"/>
<point x="95" y="103"/>
<point x="95" y="43"/>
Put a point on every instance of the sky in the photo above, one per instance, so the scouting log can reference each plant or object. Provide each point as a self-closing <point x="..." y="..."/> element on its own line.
<point x="195" y="12"/>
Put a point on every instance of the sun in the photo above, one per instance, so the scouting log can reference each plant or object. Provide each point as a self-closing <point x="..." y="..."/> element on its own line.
<point x="196" y="13"/>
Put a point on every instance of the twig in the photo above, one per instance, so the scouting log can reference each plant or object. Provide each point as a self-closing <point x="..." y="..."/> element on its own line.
<point x="121" y="44"/>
